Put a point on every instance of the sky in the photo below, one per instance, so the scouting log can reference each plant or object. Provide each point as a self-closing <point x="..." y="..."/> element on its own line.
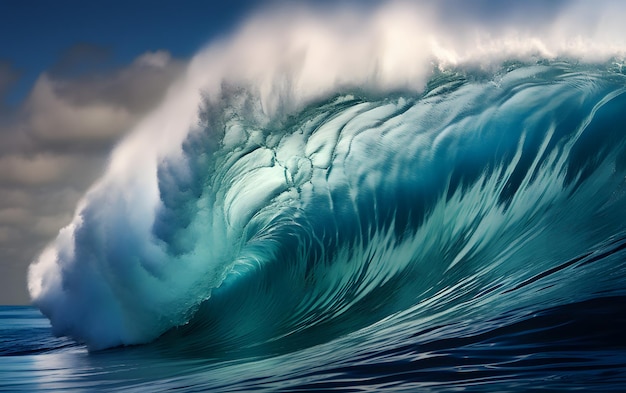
<point x="76" y="76"/>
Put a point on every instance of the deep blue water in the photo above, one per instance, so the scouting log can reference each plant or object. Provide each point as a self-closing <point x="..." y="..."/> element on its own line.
<point x="471" y="237"/>
<point x="573" y="347"/>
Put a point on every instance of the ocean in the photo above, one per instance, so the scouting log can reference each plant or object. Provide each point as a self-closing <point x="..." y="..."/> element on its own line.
<point x="399" y="224"/>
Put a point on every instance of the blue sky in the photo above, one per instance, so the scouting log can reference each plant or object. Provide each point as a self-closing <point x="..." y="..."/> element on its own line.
<point x="37" y="35"/>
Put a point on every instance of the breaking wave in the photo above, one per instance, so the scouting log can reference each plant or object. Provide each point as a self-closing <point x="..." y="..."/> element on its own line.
<point x="361" y="175"/>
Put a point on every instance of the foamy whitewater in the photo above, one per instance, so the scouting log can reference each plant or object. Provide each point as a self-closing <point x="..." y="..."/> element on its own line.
<point x="388" y="198"/>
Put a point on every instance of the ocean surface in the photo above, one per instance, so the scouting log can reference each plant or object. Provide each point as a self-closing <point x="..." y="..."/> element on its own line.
<point x="579" y="346"/>
<point x="288" y="222"/>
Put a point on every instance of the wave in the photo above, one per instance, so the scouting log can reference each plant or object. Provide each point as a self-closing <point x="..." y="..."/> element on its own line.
<point x="313" y="180"/>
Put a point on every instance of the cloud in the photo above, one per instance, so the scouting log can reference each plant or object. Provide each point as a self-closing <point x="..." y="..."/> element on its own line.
<point x="40" y="169"/>
<point x="80" y="58"/>
<point x="136" y="87"/>
<point x="94" y="110"/>
<point x="8" y="76"/>
<point x="53" y="116"/>
<point x="55" y="143"/>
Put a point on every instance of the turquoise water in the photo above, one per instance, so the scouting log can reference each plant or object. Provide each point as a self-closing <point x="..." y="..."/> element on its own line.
<point x="470" y="237"/>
